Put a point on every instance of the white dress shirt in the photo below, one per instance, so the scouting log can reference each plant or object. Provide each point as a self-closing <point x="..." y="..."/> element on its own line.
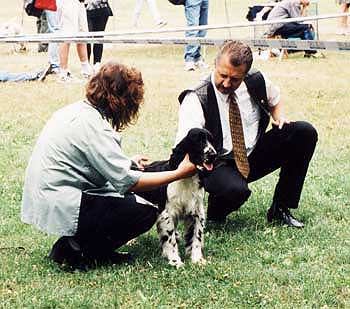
<point x="191" y="114"/>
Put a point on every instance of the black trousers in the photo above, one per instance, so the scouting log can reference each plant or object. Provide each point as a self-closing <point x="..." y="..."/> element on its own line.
<point x="289" y="149"/>
<point x="106" y="223"/>
<point x="296" y="30"/>
<point x="96" y="23"/>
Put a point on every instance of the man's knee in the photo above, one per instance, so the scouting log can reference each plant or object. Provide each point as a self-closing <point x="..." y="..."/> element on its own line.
<point x="306" y="132"/>
<point x="235" y="196"/>
<point x="219" y="206"/>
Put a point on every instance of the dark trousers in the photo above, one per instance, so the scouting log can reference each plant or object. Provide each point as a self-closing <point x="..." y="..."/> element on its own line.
<point x="96" y="23"/>
<point x="106" y="223"/>
<point x="296" y="30"/>
<point x="289" y="149"/>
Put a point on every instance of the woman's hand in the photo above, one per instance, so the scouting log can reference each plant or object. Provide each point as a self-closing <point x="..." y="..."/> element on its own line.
<point x="151" y="180"/>
<point x="141" y="161"/>
<point x="186" y="168"/>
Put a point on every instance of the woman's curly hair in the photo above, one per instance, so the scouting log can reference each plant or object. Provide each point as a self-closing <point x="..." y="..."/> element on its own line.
<point x="117" y="92"/>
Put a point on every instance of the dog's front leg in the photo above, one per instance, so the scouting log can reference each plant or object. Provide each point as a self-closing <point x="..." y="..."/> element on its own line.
<point x="194" y="235"/>
<point x="166" y="225"/>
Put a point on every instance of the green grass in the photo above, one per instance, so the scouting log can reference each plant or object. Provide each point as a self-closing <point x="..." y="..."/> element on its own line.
<point x="251" y="263"/>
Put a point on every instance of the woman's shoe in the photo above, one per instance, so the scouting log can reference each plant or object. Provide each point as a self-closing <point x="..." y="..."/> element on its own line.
<point x="67" y="252"/>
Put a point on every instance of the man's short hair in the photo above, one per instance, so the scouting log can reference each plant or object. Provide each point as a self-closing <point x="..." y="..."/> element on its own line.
<point x="238" y="52"/>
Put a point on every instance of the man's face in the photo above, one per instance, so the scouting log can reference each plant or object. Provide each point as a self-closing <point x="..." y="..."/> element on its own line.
<point x="227" y="77"/>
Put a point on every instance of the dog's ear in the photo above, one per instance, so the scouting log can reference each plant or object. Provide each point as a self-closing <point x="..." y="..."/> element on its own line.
<point x="210" y="137"/>
<point x="186" y="145"/>
<point x="192" y="144"/>
<point x="195" y="136"/>
<point x="176" y="157"/>
<point x="199" y="135"/>
<point x="178" y="153"/>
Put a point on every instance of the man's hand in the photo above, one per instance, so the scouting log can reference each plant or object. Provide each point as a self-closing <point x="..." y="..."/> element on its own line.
<point x="280" y="122"/>
<point x="278" y="115"/>
<point x="141" y="161"/>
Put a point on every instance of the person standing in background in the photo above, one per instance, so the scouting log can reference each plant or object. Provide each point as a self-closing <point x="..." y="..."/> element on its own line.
<point x="53" y="48"/>
<point x="41" y="27"/>
<point x="47" y="23"/>
<point x="196" y="12"/>
<point x="343" y="28"/>
<point x="152" y="5"/>
<point x="72" y="19"/>
<point x="98" y="12"/>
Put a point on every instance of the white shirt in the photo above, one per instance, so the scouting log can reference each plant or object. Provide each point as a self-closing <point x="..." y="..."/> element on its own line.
<point x="191" y="114"/>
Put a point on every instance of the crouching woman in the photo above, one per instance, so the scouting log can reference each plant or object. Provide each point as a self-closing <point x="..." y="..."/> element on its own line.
<point x="78" y="182"/>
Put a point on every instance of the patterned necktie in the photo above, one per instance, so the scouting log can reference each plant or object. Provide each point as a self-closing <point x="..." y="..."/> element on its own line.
<point x="238" y="145"/>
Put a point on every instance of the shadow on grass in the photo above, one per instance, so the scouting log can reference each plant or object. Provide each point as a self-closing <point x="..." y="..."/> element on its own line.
<point x="144" y="249"/>
<point x="238" y="221"/>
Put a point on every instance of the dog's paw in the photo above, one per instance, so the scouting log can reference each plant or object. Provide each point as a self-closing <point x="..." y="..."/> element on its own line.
<point x="177" y="263"/>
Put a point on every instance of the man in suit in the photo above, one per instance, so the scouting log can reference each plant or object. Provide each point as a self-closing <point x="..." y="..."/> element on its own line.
<point x="235" y="104"/>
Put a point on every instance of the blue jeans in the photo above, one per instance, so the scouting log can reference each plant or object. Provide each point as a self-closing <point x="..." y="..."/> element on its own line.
<point x="17" y="77"/>
<point x="196" y="12"/>
<point x="53" y="47"/>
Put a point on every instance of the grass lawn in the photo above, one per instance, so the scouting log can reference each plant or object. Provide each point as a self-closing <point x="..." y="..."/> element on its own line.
<point x="250" y="263"/>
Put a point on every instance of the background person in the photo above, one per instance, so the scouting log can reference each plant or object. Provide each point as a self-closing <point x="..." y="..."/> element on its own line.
<point x="343" y="27"/>
<point x="53" y="49"/>
<point x="42" y="27"/>
<point x="20" y="77"/>
<point x="79" y="184"/>
<point x="152" y="5"/>
<point x="262" y="15"/>
<point x="235" y="103"/>
<point x="292" y="9"/>
<point x="196" y="13"/>
<point x="98" y="12"/>
<point x="71" y="15"/>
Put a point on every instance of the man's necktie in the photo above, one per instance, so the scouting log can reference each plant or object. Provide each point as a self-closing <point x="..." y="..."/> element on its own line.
<point x="238" y="145"/>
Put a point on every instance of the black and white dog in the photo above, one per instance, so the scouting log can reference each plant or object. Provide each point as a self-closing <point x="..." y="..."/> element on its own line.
<point x="185" y="200"/>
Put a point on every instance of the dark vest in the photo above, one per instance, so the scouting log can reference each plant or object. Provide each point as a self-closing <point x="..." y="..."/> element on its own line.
<point x="257" y="90"/>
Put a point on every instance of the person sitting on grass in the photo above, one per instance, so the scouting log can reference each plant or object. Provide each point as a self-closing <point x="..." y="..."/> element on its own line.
<point x="22" y="77"/>
<point x="292" y="9"/>
<point x="80" y="185"/>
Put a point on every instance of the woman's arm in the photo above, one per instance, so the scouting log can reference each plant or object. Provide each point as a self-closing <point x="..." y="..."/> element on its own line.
<point x="152" y="180"/>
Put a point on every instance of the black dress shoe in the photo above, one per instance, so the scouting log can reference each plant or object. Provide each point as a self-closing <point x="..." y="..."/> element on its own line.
<point x="283" y="216"/>
<point x="67" y="252"/>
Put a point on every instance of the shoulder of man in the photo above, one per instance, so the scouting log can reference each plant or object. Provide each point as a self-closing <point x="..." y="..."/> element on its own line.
<point x="199" y="89"/>
<point x="254" y="75"/>
<point x="256" y="86"/>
